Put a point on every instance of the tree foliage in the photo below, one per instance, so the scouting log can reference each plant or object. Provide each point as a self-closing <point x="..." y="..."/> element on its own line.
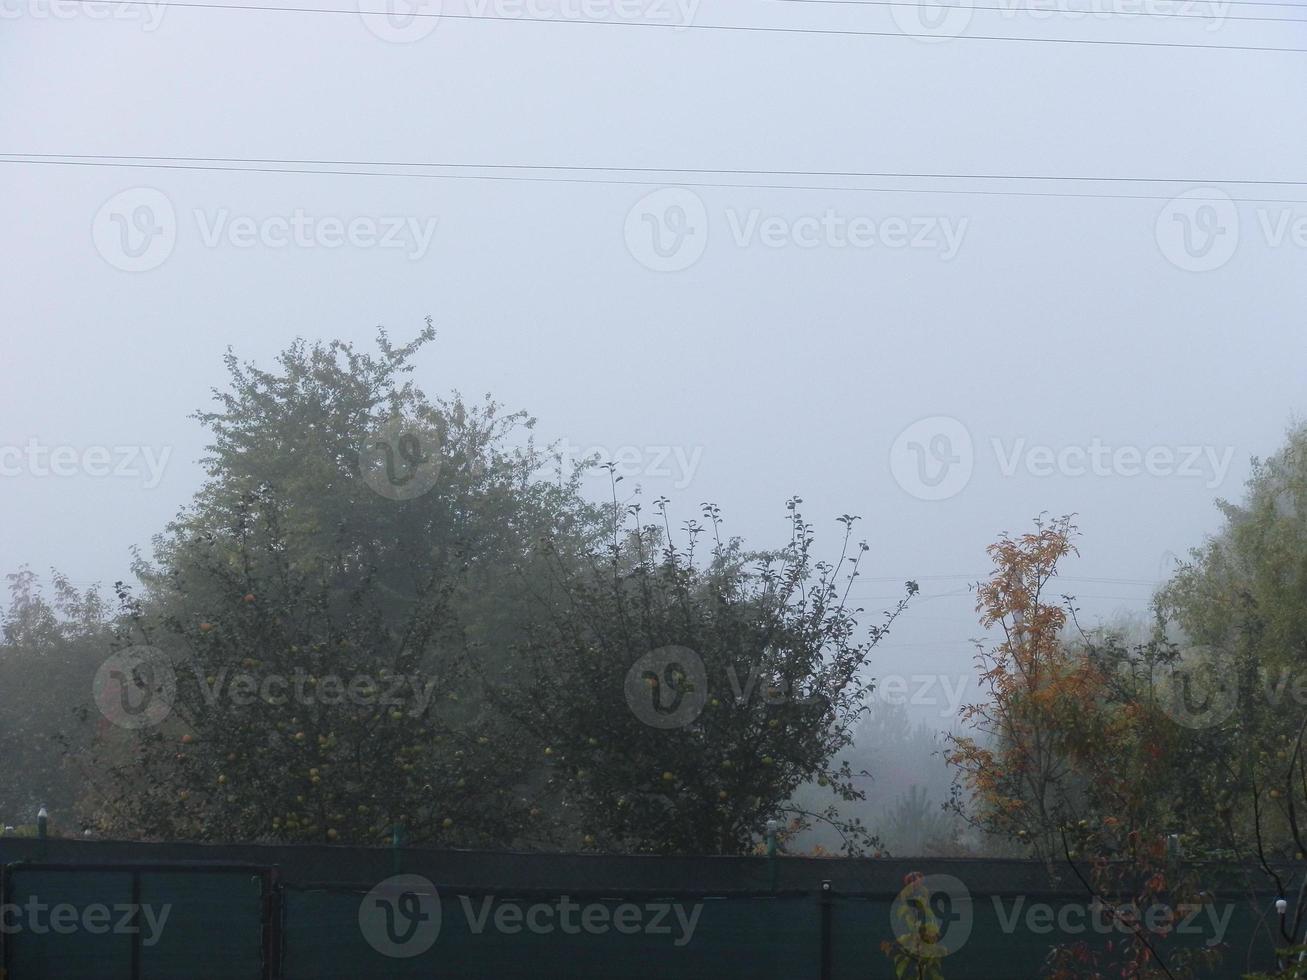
<point x="756" y="659"/>
<point x="353" y="534"/>
<point x="1075" y="756"/>
<point x="50" y="647"/>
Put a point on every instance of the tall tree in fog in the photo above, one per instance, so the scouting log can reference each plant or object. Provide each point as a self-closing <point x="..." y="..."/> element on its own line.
<point x="1242" y="593"/>
<point x="314" y="609"/>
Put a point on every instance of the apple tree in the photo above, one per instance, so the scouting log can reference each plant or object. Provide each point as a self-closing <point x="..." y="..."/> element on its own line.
<point x="679" y="694"/>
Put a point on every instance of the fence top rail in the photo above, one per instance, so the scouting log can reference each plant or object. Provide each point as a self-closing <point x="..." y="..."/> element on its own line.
<point x="521" y="873"/>
<point x="143" y="867"/>
<point x="126" y="866"/>
<point x="598" y="894"/>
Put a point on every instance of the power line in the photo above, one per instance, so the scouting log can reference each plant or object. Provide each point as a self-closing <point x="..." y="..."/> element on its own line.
<point x="740" y="28"/>
<point x="1018" y="8"/>
<point x="729" y="171"/>
<point x="136" y="163"/>
<point x="977" y="576"/>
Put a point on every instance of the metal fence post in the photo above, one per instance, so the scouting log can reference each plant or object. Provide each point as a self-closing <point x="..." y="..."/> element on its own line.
<point x="136" y="924"/>
<point x="826" y="916"/>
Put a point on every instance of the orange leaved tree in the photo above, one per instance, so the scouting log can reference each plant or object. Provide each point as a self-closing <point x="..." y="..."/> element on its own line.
<point x="1072" y="756"/>
<point x="1016" y="767"/>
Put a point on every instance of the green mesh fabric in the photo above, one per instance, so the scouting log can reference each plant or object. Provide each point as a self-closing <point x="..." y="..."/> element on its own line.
<point x="204" y="925"/>
<point x="70" y="955"/>
<point x="220" y="921"/>
<point x="757" y="938"/>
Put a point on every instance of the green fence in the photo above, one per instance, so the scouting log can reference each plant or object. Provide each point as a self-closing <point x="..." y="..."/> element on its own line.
<point x="1003" y="937"/>
<point x="74" y="922"/>
<point x="417" y="914"/>
<point x="755" y="937"/>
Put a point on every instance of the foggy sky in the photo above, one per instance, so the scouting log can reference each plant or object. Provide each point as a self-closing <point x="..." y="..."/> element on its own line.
<point x="769" y="366"/>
